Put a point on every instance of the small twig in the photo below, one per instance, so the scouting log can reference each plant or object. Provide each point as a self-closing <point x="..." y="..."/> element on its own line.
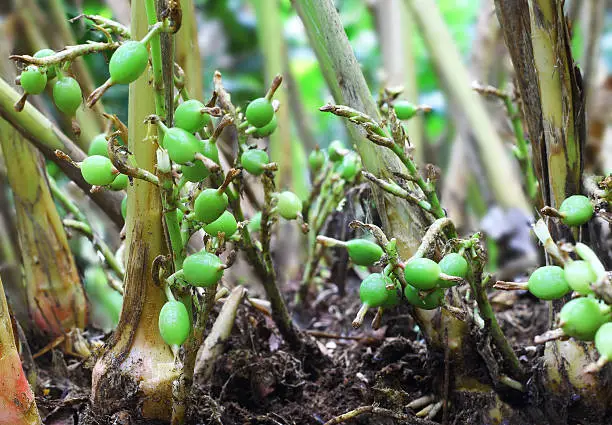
<point x="510" y="286"/>
<point x="430" y="237"/>
<point x="549" y="336"/>
<point x="120" y="161"/>
<point x="489" y="90"/>
<point x="397" y="190"/>
<point x="222" y="96"/>
<point x="106" y="23"/>
<point x="274" y="86"/>
<point x="376" y="231"/>
<point x="551" y="212"/>
<point x="213" y="344"/>
<point x="358" y="320"/>
<point x="374" y="410"/>
<point x="70" y="53"/>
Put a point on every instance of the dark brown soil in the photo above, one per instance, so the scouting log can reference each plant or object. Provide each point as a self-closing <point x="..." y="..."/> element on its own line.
<point x="257" y="381"/>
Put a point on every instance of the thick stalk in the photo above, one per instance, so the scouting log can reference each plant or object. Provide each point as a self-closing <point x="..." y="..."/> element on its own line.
<point x="504" y="181"/>
<point x="43" y="134"/>
<point x="536" y="34"/>
<point x="17" y="404"/>
<point x="56" y="300"/>
<point x="272" y="44"/>
<point x="137" y="366"/>
<point x="556" y="81"/>
<point x="395" y="27"/>
<point x="595" y="14"/>
<point x="348" y="87"/>
<point x="554" y="112"/>
<point x="187" y="50"/>
<point x="457" y="176"/>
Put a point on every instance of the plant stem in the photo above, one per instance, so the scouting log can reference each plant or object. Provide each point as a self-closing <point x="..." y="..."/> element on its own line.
<point x="98" y="244"/>
<point x="145" y="359"/>
<point x="501" y="177"/>
<point x="556" y="78"/>
<point x="511" y="361"/>
<point x="427" y="188"/>
<point x="272" y="43"/>
<point x="187" y="50"/>
<point x="523" y="154"/>
<point x="54" y="292"/>
<point x="220" y="332"/>
<point x="395" y="27"/>
<point x="156" y="61"/>
<point x="395" y="189"/>
<point x="348" y="87"/>
<point x="280" y="313"/>
<point x="192" y="346"/>
<point x="63" y="198"/>
<point x="536" y="34"/>
<point x="16" y="396"/>
<point x="434" y="232"/>
<point x="70" y="53"/>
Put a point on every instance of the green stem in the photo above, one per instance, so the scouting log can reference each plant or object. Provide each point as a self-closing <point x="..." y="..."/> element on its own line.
<point x="395" y="189"/>
<point x="176" y="239"/>
<point x="137" y="341"/>
<point x="522" y="149"/>
<point x="268" y="184"/>
<point x="168" y="292"/>
<point x="445" y="54"/>
<point x="63" y="198"/>
<point x="427" y="188"/>
<point x="156" y="29"/>
<point x="280" y="313"/>
<point x="511" y="361"/>
<point x="272" y="44"/>
<point x="156" y="61"/>
<point x="348" y="87"/>
<point x="98" y="244"/>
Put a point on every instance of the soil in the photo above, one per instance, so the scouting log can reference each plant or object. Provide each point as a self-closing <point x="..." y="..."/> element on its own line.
<point x="258" y="381"/>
